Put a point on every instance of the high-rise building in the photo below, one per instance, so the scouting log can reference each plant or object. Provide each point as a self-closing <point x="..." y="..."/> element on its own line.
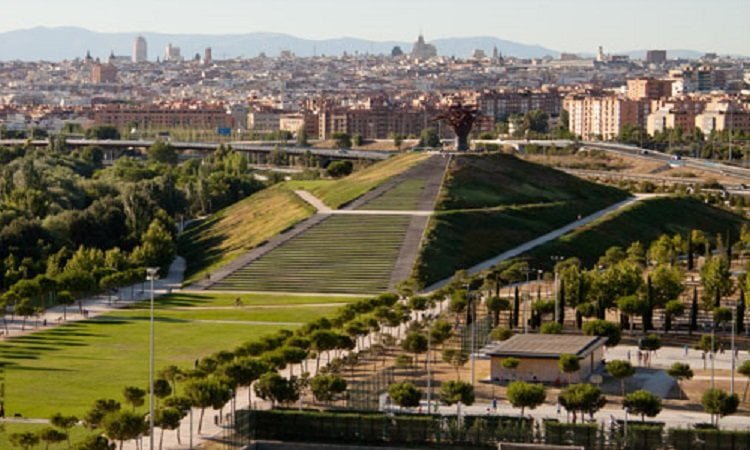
<point x="103" y="73"/>
<point x="656" y="56"/>
<point x="649" y="89"/>
<point x="172" y="53"/>
<point x="207" y="56"/>
<point x="603" y="116"/>
<point x="140" y="50"/>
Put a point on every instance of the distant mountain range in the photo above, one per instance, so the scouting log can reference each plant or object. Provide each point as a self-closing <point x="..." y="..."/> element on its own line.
<point x="59" y="43"/>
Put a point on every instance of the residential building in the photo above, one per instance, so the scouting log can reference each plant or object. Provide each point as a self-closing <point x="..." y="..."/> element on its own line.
<point x="172" y="53"/>
<point x="294" y="122"/>
<point x="499" y="104"/>
<point x="679" y="113"/>
<point x="103" y="73"/>
<point x="649" y="89"/>
<point x="722" y="114"/>
<point x="603" y="116"/>
<point x="164" y="117"/>
<point x="263" y="120"/>
<point x="656" y="56"/>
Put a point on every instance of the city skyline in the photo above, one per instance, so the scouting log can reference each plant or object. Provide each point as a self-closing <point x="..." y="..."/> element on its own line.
<point x="576" y="26"/>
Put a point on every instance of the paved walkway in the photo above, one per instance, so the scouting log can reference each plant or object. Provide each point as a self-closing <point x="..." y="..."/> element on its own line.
<point x="98" y="305"/>
<point x="523" y="248"/>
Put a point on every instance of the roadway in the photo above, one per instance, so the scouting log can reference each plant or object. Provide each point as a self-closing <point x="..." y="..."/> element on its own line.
<point x="250" y="147"/>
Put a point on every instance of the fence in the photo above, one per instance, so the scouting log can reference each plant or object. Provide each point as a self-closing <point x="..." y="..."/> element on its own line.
<point x="364" y="395"/>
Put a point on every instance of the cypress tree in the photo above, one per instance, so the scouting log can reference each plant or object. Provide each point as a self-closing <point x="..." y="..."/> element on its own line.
<point x="516" y="307"/>
<point x="694" y="311"/>
<point x="690" y="262"/>
<point x="740" y="314"/>
<point x="561" y="305"/>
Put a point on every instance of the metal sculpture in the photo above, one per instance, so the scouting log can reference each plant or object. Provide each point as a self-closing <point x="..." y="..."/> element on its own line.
<point x="461" y="118"/>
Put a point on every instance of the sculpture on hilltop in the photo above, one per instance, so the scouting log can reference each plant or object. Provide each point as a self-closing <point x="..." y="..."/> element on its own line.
<point x="461" y="118"/>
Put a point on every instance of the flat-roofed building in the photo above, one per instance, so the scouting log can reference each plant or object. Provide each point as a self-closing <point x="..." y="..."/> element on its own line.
<point x="539" y="355"/>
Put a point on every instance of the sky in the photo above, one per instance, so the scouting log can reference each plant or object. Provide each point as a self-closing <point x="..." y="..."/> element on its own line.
<point x="566" y="25"/>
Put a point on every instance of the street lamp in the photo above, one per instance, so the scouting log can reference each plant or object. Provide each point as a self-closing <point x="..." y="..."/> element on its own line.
<point x="557" y="259"/>
<point x="428" y="318"/>
<point x="151" y="275"/>
<point x="734" y="331"/>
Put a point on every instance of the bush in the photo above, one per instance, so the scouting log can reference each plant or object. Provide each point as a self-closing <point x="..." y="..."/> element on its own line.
<point x="338" y="169"/>
<point x="551" y="328"/>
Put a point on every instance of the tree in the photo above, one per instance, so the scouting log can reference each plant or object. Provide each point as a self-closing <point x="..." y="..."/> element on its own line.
<point x="510" y="363"/>
<point x="157" y="247"/>
<point x="716" y="280"/>
<point x="551" y="328"/>
<point x="457" y="393"/>
<point x="642" y="402"/>
<point x="719" y="404"/>
<point x="650" y="343"/>
<point x="673" y="308"/>
<point x="583" y="398"/>
<point x="603" y="328"/>
<point x="204" y="393"/>
<point x="536" y="120"/>
<point x="51" y="436"/>
<point x="102" y="407"/>
<point x="162" y="389"/>
<point x="338" y="169"/>
<point x="163" y="152"/>
<point x="322" y="341"/>
<point x="568" y="364"/>
<point x="103" y="132"/>
<point x="172" y="374"/>
<point x="274" y="387"/>
<point x="243" y="372"/>
<point x="667" y="285"/>
<point x="681" y="371"/>
<point x="24" y="440"/>
<point x="429" y="138"/>
<point x="134" y="396"/>
<point x="181" y="404"/>
<point x="525" y="395"/>
<point x="25" y="309"/>
<point x="65" y="299"/>
<point x="167" y="419"/>
<point x="123" y="426"/>
<point x="64" y="422"/>
<point x="495" y="305"/>
<point x="632" y="305"/>
<point x="95" y="442"/>
<point x="501" y="334"/>
<point x="744" y="369"/>
<point x="456" y="358"/>
<point x="343" y="140"/>
<point x="326" y="387"/>
<point x="405" y="394"/>
<point x="620" y="369"/>
<point x="415" y="342"/>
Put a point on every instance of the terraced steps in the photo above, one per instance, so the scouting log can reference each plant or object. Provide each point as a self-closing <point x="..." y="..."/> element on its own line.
<point x="342" y="254"/>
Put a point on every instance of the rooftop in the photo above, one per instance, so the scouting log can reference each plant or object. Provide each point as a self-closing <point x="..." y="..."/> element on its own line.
<point x="544" y="346"/>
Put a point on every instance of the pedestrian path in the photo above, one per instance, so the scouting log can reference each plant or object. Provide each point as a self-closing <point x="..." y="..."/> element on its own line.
<point x="97" y="305"/>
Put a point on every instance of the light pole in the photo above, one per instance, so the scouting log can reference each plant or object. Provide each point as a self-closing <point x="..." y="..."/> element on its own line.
<point x="557" y="259"/>
<point x="734" y="331"/>
<point x="151" y="276"/>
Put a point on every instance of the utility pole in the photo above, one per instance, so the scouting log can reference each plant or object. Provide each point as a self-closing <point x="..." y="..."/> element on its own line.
<point x="151" y="276"/>
<point x="734" y="331"/>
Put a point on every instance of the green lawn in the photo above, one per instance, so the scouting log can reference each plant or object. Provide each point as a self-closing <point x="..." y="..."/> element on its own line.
<point x="404" y="196"/>
<point x="216" y="299"/>
<point x="644" y="221"/>
<point x="66" y="368"/>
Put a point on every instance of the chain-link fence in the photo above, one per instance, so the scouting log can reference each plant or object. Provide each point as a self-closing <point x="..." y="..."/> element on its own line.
<point x="364" y="395"/>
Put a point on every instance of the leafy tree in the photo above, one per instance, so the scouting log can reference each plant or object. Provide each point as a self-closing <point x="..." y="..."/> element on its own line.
<point x="51" y="436"/>
<point x="64" y="422"/>
<point x="716" y="280"/>
<point x="603" y="328"/>
<point x="650" y="343"/>
<point x="103" y="132"/>
<point x="583" y="398"/>
<point x="25" y="309"/>
<point x="673" y="308"/>
<point x="322" y="341"/>
<point x="457" y="393"/>
<point x="744" y="369"/>
<point x="719" y="404"/>
<point x="24" y="440"/>
<point x="167" y="419"/>
<point x="525" y="395"/>
<point x="205" y="393"/>
<point x="501" y="334"/>
<point x="172" y="374"/>
<point x="102" y="407"/>
<point x="163" y="152"/>
<point x="94" y="442"/>
<point x="536" y="120"/>
<point x="343" y="140"/>
<point x="405" y="394"/>
<point x="551" y="328"/>
<point x="642" y="402"/>
<point x="415" y="342"/>
<point x="157" y="248"/>
<point x="338" y="169"/>
<point x="495" y="305"/>
<point x="123" y="426"/>
<point x="134" y="396"/>
<point x="326" y="387"/>
<point x="681" y="371"/>
<point x="440" y="332"/>
<point x="274" y="387"/>
<point x="456" y="358"/>
<point x="568" y="364"/>
<point x="666" y="284"/>
<point x="620" y="369"/>
<point x="243" y="372"/>
<point x="429" y="138"/>
<point x="632" y="305"/>
<point x="181" y="404"/>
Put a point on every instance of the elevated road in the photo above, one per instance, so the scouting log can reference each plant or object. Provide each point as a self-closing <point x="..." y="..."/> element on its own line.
<point x="209" y="146"/>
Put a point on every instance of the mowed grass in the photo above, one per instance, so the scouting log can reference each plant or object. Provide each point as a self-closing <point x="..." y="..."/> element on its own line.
<point x="493" y="203"/>
<point x="239" y="228"/>
<point x="644" y="221"/>
<point x="66" y="368"/>
<point x="485" y="181"/>
<point x="340" y="192"/>
<point x="343" y="254"/>
<point x="216" y="299"/>
<point x="403" y="197"/>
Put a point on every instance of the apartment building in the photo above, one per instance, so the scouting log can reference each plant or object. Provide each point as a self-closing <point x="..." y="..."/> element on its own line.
<point x="157" y="117"/>
<point x="503" y="103"/>
<point x="603" y="116"/>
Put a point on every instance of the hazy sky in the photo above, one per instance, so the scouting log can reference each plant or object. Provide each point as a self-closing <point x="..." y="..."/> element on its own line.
<point x="572" y="25"/>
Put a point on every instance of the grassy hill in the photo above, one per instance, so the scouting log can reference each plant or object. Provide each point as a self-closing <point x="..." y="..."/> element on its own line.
<point x="492" y="203"/>
<point x="340" y="192"/>
<point x="243" y="226"/>
<point x="643" y="221"/>
<point x="239" y="228"/>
